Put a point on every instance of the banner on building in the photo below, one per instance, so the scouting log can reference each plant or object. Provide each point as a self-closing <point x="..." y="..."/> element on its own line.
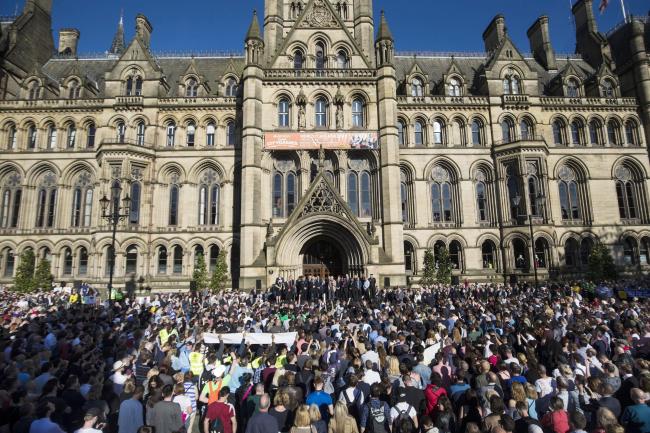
<point x="314" y="140"/>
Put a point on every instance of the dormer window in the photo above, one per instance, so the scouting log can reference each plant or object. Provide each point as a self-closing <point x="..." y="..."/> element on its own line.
<point x="320" y="55"/>
<point x="417" y="88"/>
<point x="129" y="86"/>
<point x="134" y="86"/>
<point x="572" y="88"/>
<point x="607" y="89"/>
<point x="231" y="87"/>
<point x="75" y="89"/>
<point x="511" y="84"/>
<point x="34" y="90"/>
<point x="191" y="88"/>
<point x="454" y="87"/>
<point x="298" y="60"/>
<point x="138" y="86"/>
<point x="342" y="61"/>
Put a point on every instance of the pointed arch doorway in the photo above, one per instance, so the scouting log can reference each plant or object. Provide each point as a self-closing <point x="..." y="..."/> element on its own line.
<point x="322" y="257"/>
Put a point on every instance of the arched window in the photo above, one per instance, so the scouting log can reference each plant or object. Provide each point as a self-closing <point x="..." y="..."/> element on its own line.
<point x="34" y="91"/>
<point x="171" y="134"/>
<point x="191" y="88"/>
<point x="291" y="193"/>
<point x="365" y="209"/>
<point x="629" y="251"/>
<point x="134" y="214"/>
<point x="9" y="262"/>
<point x="515" y="85"/>
<point x="162" y="260"/>
<point x="131" y="260"/>
<point x="82" y="201"/>
<point x="32" y="136"/>
<point x="67" y="261"/>
<point x="140" y="131"/>
<point x="526" y="129"/>
<point x="481" y="201"/>
<point x="74" y="89"/>
<point x="572" y="88"/>
<point x="209" y="195"/>
<point x="129" y="86"/>
<point x="419" y="132"/>
<point x="541" y="253"/>
<point x="477" y="133"/>
<point x="51" y="136"/>
<point x="321" y="113"/>
<point x="91" y="131"/>
<point x="278" y="185"/>
<point x="506" y="130"/>
<point x="608" y="89"/>
<point x="214" y="257"/>
<point x="577" y="132"/>
<point x="441" y="195"/>
<point x="613" y="133"/>
<point x="511" y="84"/>
<point x="138" y="86"/>
<point x="520" y="253"/>
<point x="644" y="250"/>
<point x="231" y="87"/>
<point x="83" y="261"/>
<point x="409" y="258"/>
<point x="198" y="252"/>
<point x="342" y="60"/>
<point x="320" y="56"/>
<point x="190" y="134"/>
<point x="230" y="133"/>
<point x="353" y="192"/>
<point x="625" y="194"/>
<point x="488" y="253"/>
<point x="178" y="260"/>
<point x="46" y="202"/>
<point x="283" y="113"/>
<point x="534" y="192"/>
<point x="12" y="137"/>
<point x="438" y="130"/>
<point x="121" y="132"/>
<point x="558" y="132"/>
<point x="585" y="251"/>
<point x="595" y="132"/>
<point x="569" y="195"/>
<point x="404" y="196"/>
<point x="209" y="134"/>
<point x="454" y="87"/>
<point x="631" y="133"/>
<point x="459" y="127"/>
<point x="298" y="60"/>
<point x="571" y="253"/>
<point x="358" y="108"/>
<point x="417" y="88"/>
<point x="456" y="255"/>
<point x="173" y="204"/>
<point x="401" y="128"/>
<point x="514" y="192"/>
<point x="72" y="136"/>
<point x="11" y="199"/>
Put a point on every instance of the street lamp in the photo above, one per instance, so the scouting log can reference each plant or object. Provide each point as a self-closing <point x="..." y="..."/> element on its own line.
<point x="112" y="213"/>
<point x="539" y="203"/>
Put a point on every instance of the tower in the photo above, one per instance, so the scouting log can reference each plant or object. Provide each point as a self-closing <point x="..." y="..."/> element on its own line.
<point x="364" y="26"/>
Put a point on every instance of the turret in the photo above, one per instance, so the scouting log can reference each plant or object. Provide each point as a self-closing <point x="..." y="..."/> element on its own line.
<point x="273" y="24"/>
<point x="384" y="44"/>
<point x="68" y="41"/>
<point x="540" y="44"/>
<point x="254" y="43"/>
<point x="364" y="26"/>
<point x="495" y="33"/>
<point x="143" y="30"/>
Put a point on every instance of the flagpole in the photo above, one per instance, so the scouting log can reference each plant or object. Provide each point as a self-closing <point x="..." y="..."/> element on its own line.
<point x="623" y="9"/>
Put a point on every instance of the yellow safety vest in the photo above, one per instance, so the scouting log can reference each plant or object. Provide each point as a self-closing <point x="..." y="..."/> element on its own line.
<point x="164" y="336"/>
<point x="256" y="363"/>
<point x="281" y="361"/>
<point x="196" y="363"/>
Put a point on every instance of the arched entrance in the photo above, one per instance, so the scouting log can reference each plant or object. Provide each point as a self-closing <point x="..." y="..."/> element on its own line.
<point x="322" y="257"/>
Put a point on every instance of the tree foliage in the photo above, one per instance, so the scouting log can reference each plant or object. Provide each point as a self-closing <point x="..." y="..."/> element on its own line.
<point x="429" y="272"/>
<point x="601" y="264"/>
<point x="200" y="275"/>
<point x="444" y="267"/>
<point x="43" y="275"/>
<point x="220" y="273"/>
<point x="24" y="281"/>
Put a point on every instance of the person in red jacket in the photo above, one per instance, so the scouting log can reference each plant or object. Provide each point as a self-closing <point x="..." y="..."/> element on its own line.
<point x="432" y="393"/>
<point x="557" y="420"/>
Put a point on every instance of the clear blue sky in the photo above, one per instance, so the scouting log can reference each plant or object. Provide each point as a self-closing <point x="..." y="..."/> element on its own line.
<point x="418" y="25"/>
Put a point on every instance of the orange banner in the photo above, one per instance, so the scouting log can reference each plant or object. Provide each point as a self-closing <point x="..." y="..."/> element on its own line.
<point x="313" y="140"/>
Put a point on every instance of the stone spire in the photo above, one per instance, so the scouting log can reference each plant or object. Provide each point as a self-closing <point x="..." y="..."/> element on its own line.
<point x="384" y="32"/>
<point x="254" y="29"/>
<point x="117" y="47"/>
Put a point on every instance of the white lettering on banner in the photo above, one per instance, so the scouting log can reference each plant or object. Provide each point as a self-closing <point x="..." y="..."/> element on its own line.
<point x="287" y="338"/>
<point x="313" y="140"/>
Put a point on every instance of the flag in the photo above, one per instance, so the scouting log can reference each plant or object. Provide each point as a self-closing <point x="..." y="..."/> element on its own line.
<point x="603" y="5"/>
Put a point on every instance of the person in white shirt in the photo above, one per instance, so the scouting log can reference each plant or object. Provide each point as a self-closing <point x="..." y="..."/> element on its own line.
<point x="90" y="421"/>
<point x="371" y="376"/>
<point x="403" y="407"/>
<point x="118" y="377"/>
<point x="370" y="355"/>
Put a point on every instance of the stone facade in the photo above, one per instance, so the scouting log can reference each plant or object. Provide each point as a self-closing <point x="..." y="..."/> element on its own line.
<point x="476" y="152"/>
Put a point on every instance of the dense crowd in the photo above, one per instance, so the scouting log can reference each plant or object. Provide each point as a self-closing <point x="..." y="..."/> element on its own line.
<point x="471" y="358"/>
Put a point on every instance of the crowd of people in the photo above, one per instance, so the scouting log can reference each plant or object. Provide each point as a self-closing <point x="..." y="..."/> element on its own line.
<point x="470" y="358"/>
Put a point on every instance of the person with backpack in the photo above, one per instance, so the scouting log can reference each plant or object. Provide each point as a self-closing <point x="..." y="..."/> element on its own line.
<point x="220" y="416"/>
<point x="210" y="391"/>
<point x="404" y="416"/>
<point x="352" y="397"/>
<point x="342" y="422"/>
<point x="375" y="417"/>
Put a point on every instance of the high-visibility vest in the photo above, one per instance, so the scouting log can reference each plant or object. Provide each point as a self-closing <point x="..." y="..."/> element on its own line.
<point x="164" y="336"/>
<point x="280" y="361"/>
<point x="256" y="363"/>
<point x="196" y="363"/>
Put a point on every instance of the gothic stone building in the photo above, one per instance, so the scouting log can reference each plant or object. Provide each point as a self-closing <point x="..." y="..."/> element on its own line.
<point x="321" y="150"/>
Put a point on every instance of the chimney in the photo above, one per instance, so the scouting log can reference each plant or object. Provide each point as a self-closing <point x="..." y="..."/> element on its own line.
<point x="540" y="43"/>
<point x="44" y="5"/>
<point x="143" y="30"/>
<point x="495" y="33"/>
<point x="583" y="12"/>
<point x="68" y="41"/>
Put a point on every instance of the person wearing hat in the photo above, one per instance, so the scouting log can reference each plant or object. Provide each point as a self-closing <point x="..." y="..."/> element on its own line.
<point x="210" y="392"/>
<point x="118" y="377"/>
<point x="90" y="422"/>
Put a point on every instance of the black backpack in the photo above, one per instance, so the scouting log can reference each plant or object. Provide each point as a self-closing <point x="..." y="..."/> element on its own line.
<point x="216" y="426"/>
<point x="403" y="423"/>
<point x="354" y="405"/>
<point x="377" y="422"/>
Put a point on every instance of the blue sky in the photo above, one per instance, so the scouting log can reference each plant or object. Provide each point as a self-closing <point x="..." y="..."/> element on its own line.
<point x="418" y="25"/>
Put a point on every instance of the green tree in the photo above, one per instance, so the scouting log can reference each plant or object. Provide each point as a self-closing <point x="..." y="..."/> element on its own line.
<point x="601" y="264"/>
<point x="429" y="272"/>
<point x="443" y="273"/>
<point x="24" y="281"/>
<point x="220" y="273"/>
<point x="200" y="275"/>
<point x="43" y="275"/>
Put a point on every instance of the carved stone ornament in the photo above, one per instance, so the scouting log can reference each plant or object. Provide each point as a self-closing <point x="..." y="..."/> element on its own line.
<point x="322" y="200"/>
<point x="439" y="174"/>
<point x="136" y="173"/>
<point x="623" y="173"/>
<point x="566" y="173"/>
<point x="209" y="177"/>
<point x="531" y="169"/>
<point x="13" y="180"/>
<point x="358" y="164"/>
<point x="84" y="179"/>
<point x="285" y="165"/>
<point x="320" y="15"/>
<point x="116" y="172"/>
<point x="49" y="179"/>
<point x="480" y="176"/>
<point x="174" y="179"/>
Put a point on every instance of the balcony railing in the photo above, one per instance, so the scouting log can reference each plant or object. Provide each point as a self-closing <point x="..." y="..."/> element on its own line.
<point x="129" y="101"/>
<point x="519" y="138"/>
<point x="319" y="73"/>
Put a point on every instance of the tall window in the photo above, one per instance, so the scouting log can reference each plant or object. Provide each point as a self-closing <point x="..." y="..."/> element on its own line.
<point x="46" y="201"/>
<point x="320" y="56"/>
<point x="477" y="133"/>
<point x="231" y="87"/>
<point x="437" y="132"/>
<point x="209" y="134"/>
<point x="283" y="113"/>
<point x="277" y="195"/>
<point x="131" y="260"/>
<point x="409" y="257"/>
<point x="75" y="89"/>
<point x="576" y="132"/>
<point x="360" y="188"/>
<point x="629" y="251"/>
<point x="230" y="133"/>
<point x="626" y="199"/>
<point x="441" y="195"/>
<point x="607" y="89"/>
<point x="321" y="112"/>
<point x="511" y="84"/>
<point x="526" y="129"/>
<point x="12" y="136"/>
<point x="140" y="130"/>
<point x="342" y="60"/>
<point x="83" y="261"/>
<point x="11" y="199"/>
<point x="209" y="195"/>
<point x="129" y="86"/>
<point x="357" y="113"/>
<point x="134" y="214"/>
<point x="72" y="136"/>
<point x="404" y="198"/>
<point x="32" y="136"/>
<point x="34" y="90"/>
<point x="82" y="201"/>
<point x="162" y="260"/>
<point x="417" y="89"/>
<point x="569" y="196"/>
<point x="572" y="253"/>
<point x="572" y="88"/>
<point x="400" y="133"/>
<point x="419" y="132"/>
<point x="353" y="192"/>
<point x="171" y="134"/>
<point x="190" y="134"/>
<point x="121" y="132"/>
<point x="298" y="60"/>
<point x="9" y="262"/>
<point x="558" y="132"/>
<point x="285" y="189"/>
<point x="173" y="205"/>
<point x="138" y="86"/>
<point x="631" y="133"/>
<point x="191" y="88"/>
<point x="595" y="132"/>
<point x="488" y="252"/>
<point x="613" y="133"/>
<point x="67" y="261"/>
<point x="453" y="88"/>
<point x="534" y="191"/>
<point x="178" y="260"/>
<point x="51" y="136"/>
<point x="91" y="130"/>
<point x="541" y="253"/>
<point x="481" y="201"/>
<point x="506" y="130"/>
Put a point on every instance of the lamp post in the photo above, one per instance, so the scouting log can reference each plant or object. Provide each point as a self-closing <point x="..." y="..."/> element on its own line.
<point x="113" y="214"/>
<point x="539" y="203"/>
